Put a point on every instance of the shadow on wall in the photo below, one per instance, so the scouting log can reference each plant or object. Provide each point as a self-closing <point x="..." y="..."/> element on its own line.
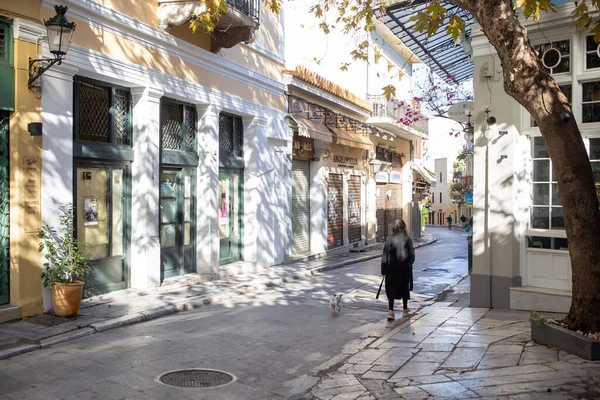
<point x="98" y="39"/>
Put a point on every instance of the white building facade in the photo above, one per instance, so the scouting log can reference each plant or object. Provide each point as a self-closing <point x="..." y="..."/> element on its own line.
<point x="521" y="256"/>
<point x="172" y="145"/>
<point x="342" y="126"/>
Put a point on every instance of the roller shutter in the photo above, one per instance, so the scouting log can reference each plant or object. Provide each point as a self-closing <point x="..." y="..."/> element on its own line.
<point x="300" y="206"/>
<point x="394" y="210"/>
<point x="335" y="214"/>
<point x="354" y="209"/>
<point x="381" y="206"/>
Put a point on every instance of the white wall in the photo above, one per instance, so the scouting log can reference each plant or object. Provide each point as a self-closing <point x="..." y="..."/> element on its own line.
<point x="307" y="45"/>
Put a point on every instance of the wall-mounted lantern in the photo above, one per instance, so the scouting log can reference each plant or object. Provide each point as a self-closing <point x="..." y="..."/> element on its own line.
<point x="59" y="31"/>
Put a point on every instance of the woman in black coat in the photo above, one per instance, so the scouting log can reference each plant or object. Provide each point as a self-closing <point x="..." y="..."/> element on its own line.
<point x="396" y="265"/>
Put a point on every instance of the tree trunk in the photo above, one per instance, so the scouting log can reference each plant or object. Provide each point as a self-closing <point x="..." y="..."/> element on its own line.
<point x="528" y="83"/>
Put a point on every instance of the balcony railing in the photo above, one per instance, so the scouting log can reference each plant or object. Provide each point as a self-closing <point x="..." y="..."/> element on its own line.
<point x="463" y="180"/>
<point x="383" y="107"/>
<point x="250" y="8"/>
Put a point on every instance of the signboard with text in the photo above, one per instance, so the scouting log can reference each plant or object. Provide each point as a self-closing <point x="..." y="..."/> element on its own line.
<point x="395" y="177"/>
<point x="469" y="197"/>
<point x="382" y="177"/>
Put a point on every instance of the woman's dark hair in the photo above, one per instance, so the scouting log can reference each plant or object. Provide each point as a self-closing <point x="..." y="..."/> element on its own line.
<point x="399" y="226"/>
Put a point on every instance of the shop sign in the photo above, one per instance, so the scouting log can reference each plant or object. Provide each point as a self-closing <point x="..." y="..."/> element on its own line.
<point x="469" y="197"/>
<point x="303" y="147"/>
<point x="381" y="177"/>
<point x="395" y="177"/>
<point x="345" y="162"/>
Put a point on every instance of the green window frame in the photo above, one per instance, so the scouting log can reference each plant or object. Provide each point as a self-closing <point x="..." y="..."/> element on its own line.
<point x="179" y="126"/>
<point x="102" y="113"/>
<point x="231" y="136"/>
<point x="7" y="70"/>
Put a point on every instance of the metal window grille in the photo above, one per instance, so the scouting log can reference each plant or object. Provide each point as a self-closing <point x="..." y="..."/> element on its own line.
<point x="172" y="121"/>
<point x="231" y="135"/>
<point x="190" y="128"/>
<point x="178" y="127"/>
<point x="122" y="104"/>
<point x="94" y="103"/>
<point x="3" y="40"/>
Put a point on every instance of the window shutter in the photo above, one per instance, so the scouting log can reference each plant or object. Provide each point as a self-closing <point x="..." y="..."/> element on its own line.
<point x="7" y="71"/>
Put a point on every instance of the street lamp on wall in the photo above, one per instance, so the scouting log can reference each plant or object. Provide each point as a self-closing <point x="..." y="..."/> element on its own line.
<point x="377" y="166"/>
<point x="59" y="31"/>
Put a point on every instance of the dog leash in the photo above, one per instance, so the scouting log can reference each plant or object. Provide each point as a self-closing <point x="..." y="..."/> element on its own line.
<point x="361" y="285"/>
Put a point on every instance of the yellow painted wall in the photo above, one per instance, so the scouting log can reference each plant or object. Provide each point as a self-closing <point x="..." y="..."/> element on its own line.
<point x="25" y="190"/>
<point x="29" y="9"/>
<point x="115" y="46"/>
<point x="269" y="36"/>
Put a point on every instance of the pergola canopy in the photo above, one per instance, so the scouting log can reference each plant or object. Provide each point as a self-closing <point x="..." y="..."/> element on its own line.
<point x="438" y="51"/>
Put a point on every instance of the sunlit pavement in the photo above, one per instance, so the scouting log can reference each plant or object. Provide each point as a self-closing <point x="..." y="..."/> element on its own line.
<point x="272" y="341"/>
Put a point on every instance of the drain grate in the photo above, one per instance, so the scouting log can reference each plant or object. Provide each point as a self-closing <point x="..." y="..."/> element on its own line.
<point x="196" y="378"/>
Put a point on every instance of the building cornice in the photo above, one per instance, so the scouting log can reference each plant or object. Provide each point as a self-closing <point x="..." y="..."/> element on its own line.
<point x="129" y="28"/>
<point x="309" y="89"/>
<point x="27" y="30"/>
<point x="98" y="65"/>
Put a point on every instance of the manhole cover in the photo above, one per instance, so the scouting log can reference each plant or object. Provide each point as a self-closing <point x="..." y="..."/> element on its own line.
<point x="196" y="378"/>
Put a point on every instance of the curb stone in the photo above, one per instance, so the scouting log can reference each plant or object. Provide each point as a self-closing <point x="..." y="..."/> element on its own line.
<point x="21" y="349"/>
<point x="118" y="322"/>
<point x="64" y="337"/>
<point x="187" y="305"/>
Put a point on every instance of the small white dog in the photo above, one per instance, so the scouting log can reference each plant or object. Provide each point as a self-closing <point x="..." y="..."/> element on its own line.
<point x="335" y="303"/>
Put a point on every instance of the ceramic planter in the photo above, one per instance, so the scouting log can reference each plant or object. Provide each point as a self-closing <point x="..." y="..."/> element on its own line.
<point x="66" y="298"/>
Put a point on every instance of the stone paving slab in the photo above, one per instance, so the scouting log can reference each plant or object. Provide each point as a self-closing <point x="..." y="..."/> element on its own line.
<point x="132" y="306"/>
<point x="474" y="353"/>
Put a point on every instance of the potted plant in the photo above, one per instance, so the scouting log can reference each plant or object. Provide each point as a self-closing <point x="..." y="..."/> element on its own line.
<point x="64" y="265"/>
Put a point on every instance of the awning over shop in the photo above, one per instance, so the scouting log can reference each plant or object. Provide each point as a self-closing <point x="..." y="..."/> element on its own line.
<point x="425" y="173"/>
<point x="312" y="129"/>
<point x="351" y="139"/>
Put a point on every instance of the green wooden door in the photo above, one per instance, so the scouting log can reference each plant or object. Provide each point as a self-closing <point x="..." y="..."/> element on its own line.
<point x="4" y="208"/>
<point x="230" y="216"/>
<point x="177" y="222"/>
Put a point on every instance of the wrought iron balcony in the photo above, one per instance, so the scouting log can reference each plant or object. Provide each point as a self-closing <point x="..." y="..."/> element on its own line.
<point x="250" y="8"/>
<point x="238" y="23"/>
<point x="387" y="111"/>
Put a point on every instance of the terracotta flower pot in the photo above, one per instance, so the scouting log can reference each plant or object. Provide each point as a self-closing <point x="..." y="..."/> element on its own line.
<point x="66" y="298"/>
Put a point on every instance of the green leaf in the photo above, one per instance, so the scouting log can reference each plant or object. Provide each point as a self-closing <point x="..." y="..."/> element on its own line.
<point x="389" y="91"/>
<point x="456" y="26"/>
<point x="596" y="32"/>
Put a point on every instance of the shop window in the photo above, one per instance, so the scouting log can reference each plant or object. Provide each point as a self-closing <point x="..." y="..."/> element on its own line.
<point x="592" y="59"/>
<point x="590" y="102"/>
<point x="546" y="207"/>
<point x="102" y="113"/>
<point x="595" y="161"/>
<point x="548" y="243"/>
<point x="178" y="126"/>
<point x="567" y="90"/>
<point x="231" y="136"/>
<point x="555" y="56"/>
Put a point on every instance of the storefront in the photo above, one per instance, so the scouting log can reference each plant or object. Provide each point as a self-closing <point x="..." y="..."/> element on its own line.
<point x="388" y="194"/>
<point x="102" y="158"/>
<point x="303" y="153"/>
<point x="231" y="192"/>
<point x="346" y="193"/>
<point x="179" y="161"/>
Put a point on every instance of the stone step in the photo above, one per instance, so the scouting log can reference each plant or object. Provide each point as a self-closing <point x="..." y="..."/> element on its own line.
<point x="9" y="312"/>
<point x="539" y="299"/>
